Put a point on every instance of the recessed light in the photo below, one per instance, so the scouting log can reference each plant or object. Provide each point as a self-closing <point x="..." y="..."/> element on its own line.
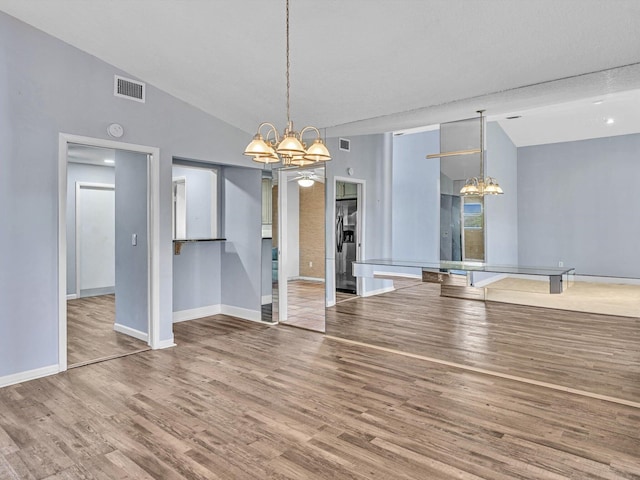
<point x="610" y="121"/>
<point x="109" y="161"/>
<point x="597" y="102"/>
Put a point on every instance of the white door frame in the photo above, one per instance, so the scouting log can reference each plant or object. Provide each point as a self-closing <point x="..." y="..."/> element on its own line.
<point x="153" y="229"/>
<point x="360" y="249"/>
<point x="79" y="186"/>
<point x="282" y="245"/>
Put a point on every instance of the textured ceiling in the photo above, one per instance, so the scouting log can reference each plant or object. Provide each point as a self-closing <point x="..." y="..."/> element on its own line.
<point x="357" y="66"/>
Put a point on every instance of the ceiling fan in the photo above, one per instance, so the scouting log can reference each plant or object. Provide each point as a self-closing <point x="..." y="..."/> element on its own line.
<point x="307" y="178"/>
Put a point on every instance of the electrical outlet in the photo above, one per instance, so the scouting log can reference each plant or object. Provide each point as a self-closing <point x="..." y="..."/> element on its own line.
<point x="310" y="264"/>
<point x="561" y="263"/>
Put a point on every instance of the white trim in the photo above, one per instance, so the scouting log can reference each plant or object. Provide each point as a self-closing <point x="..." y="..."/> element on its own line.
<point x="282" y="245"/>
<point x="266" y="299"/>
<point x="596" y="279"/>
<point x="193" y="313"/>
<point x="28" y="375"/>
<point x="244" y="313"/>
<point x="209" y="310"/>
<point x="72" y="296"/>
<point x="80" y="186"/>
<point x="174" y="227"/>
<point x="153" y="195"/>
<point x="132" y="332"/>
<point x="165" y="344"/>
<point x="379" y="291"/>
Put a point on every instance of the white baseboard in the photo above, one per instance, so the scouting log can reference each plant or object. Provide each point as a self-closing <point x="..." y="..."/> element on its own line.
<point x="193" y="313"/>
<point x="164" y="344"/>
<point x="209" y="310"/>
<point x="132" y="332"/>
<point x="379" y="291"/>
<point x="244" y="313"/>
<point x="72" y="296"/>
<point x="28" y="375"/>
<point x="266" y="299"/>
<point x="595" y="279"/>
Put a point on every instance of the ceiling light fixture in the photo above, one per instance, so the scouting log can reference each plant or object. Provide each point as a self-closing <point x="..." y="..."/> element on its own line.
<point x="480" y="185"/>
<point x="109" y="161"/>
<point x="610" y="121"/>
<point x="289" y="147"/>
<point x="306" y="179"/>
<point x="305" y="182"/>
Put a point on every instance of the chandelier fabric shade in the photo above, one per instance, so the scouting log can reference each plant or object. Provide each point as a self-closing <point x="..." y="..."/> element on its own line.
<point x="288" y="148"/>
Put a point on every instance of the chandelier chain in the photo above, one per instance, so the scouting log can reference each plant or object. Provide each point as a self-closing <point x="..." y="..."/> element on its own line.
<point x="288" y="83"/>
<point x="289" y="149"/>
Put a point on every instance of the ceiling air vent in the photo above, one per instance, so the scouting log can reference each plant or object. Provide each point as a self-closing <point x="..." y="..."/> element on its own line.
<point x="127" y="88"/>
<point x="345" y="145"/>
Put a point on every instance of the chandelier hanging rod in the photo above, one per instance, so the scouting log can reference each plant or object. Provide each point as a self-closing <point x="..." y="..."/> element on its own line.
<point x="289" y="147"/>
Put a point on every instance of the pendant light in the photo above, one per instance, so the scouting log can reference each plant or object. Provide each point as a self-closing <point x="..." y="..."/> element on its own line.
<point x="288" y="148"/>
<point x="481" y="185"/>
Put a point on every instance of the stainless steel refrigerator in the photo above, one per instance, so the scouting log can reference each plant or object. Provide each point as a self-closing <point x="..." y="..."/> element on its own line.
<point x="346" y="241"/>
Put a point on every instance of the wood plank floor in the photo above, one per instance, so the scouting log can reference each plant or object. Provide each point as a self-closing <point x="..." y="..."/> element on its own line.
<point x="237" y="400"/>
<point x="90" y="334"/>
<point x="305" y="302"/>
<point x="595" y="353"/>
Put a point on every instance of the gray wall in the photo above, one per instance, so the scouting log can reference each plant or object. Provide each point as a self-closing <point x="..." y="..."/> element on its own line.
<point x="132" y="261"/>
<point x="198" y="200"/>
<point x="79" y="172"/>
<point x="577" y="204"/>
<point x="416" y="197"/>
<point x="241" y="253"/>
<point x="370" y="158"/>
<point x="501" y="211"/>
<point x="47" y="87"/>
<point x="196" y="276"/>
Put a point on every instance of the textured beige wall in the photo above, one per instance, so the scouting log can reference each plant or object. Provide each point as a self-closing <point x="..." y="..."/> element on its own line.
<point x="312" y="231"/>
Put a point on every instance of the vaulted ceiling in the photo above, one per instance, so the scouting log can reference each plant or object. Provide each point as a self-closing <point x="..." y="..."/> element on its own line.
<point x="357" y="66"/>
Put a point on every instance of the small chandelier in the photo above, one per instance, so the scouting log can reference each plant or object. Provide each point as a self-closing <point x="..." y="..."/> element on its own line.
<point x="289" y="147"/>
<point x="481" y="185"/>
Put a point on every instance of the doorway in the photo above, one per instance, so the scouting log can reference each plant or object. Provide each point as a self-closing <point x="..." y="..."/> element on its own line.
<point x="107" y="315"/>
<point x="108" y="252"/>
<point x="348" y="235"/>
<point x="300" y="244"/>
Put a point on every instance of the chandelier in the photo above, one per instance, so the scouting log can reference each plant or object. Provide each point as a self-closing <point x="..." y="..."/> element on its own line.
<point x="288" y="148"/>
<point x="481" y="185"/>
